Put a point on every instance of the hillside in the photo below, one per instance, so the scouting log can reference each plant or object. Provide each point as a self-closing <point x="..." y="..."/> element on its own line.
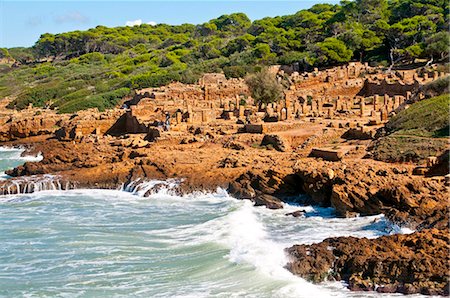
<point x="417" y="132"/>
<point x="427" y="118"/>
<point x="96" y="68"/>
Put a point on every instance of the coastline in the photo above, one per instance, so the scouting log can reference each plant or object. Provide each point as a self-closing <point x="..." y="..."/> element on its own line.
<point x="351" y="187"/>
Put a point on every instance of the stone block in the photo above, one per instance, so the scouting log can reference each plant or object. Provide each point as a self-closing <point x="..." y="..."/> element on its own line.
<point x="255" y="128"/>
<point x="327" y="154"/>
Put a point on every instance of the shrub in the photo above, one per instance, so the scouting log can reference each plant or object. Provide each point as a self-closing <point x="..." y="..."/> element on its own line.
<point x="437" y="87"/>
<point x="101" y="101"/>
<point x="264" y="86"/>
<point x="94" y="57"/>
<point x="153" y="80"/>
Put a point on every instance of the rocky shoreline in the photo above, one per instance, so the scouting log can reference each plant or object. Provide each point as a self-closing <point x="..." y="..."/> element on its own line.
<point x="415" y="263"/>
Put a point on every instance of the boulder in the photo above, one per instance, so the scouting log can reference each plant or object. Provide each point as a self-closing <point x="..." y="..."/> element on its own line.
<point x="269" y="201"/>
<point x="152" y="135"/>
<point x="279" y="143"/>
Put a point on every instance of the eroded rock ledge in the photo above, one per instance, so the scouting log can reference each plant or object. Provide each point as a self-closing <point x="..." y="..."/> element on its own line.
<point x="409" y="264"/>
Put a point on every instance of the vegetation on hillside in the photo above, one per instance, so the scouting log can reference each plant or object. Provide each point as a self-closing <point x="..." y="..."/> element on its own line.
<point x="80" y="69"/>
<point x="426" y="118"/>
<point x="417" y="132"/>
<point x="437" y="87"/>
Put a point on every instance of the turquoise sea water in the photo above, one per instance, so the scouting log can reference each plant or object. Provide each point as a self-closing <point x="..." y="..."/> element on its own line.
<point x="11" y="157"/>
<point x="107" y="243"/>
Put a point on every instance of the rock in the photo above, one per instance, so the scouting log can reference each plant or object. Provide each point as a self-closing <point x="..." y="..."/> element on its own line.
<point x="399" y="171"/>
<point x="269" y="201"/>
<point x="152" y="135"/>
<point x="199" y="131"/>
<point x="389" y="288"/>
<point x="382" y="173"/>
<point x="297" y="213"/>
<point x="188" y="140"/>
<point x="278" y="142"/>
<point x="234" y="146"/>
<point x="365" y="188"/>
<point x="135" y="154"/>
<point x="241" y="190"/>
<point x="330" y="174"/>
<point x="328" y="154"/>
<point x="409" y="264"/>
<point x="231" y="162"/>
<point x="420" y="171"/>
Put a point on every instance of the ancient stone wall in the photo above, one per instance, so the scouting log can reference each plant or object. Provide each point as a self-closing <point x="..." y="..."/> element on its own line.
<point x="371" y="88"/>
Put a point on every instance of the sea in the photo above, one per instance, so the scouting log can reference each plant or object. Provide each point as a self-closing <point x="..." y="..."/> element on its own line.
<point x="118" y="243"/>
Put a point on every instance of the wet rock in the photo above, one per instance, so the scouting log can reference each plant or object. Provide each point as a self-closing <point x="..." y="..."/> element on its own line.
<point x="409" y="264"/>
<point x="297" y="213"/>
<point x="269" y="201"/>
<point x="390" y="288"/>
<point x="241" y="190"/>
<point x="368" y="188"/>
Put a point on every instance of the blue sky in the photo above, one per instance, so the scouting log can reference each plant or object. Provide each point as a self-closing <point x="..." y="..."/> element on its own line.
<point x="22" y="22"/>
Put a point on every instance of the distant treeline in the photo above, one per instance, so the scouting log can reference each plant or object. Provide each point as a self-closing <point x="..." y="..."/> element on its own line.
<point x="87" y="64"/>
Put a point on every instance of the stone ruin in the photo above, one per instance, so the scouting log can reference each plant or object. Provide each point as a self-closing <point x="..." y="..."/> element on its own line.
<point x="355" y="91"/>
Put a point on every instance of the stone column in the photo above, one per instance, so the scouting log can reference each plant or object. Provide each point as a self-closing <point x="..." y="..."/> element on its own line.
<point x="362" y="106"/>
<point x="204" y="116"/>
<point x="396" y="102"/>
<point x="338" y="103"/>
<point x="408" y="95"/>
<point x="289" y="113"/>
<point x="319" y="106"/>
<point x="383" y="114"/>
<point x="375" y="102"/>
<point x="241" y="111"/>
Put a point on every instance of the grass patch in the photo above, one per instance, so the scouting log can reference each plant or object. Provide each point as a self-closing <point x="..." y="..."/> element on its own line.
<point x="427" y="118"/>
<point x="416" y="133"/>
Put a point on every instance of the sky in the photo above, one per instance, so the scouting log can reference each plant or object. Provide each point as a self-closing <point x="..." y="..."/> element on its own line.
<point x="22" y="22"/>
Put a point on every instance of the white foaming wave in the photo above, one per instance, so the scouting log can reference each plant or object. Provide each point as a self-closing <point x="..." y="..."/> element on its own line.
<point x="396" y="229"/>
<point x="136" y="193"/>
<point x="10" y="149"/>
<point x="18" y="154"/>
<point x="249" y="243"/>
<point x="140" y="187"/>
<point x="3" y="176"/>
<point x="167" y="190"/>
<point x="32" y="158"/>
